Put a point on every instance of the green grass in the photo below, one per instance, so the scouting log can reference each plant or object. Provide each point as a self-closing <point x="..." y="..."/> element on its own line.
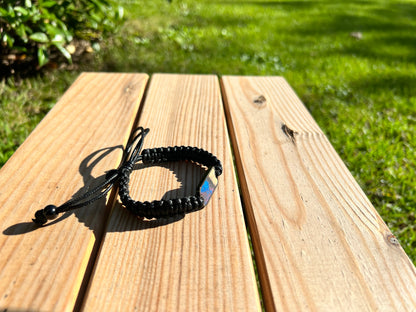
<point x="23" y="105"/>
<point x="361" y="92"/>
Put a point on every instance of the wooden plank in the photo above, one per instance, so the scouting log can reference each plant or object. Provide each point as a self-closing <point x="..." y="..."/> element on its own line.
<point x="201" y="262"/>
<point x="80" y="138"/>
<point x="319" y="243"/>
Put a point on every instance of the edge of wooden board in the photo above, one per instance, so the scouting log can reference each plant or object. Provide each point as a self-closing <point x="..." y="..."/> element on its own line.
<point x="286" y="133"/>
<point x="44" y="268"/>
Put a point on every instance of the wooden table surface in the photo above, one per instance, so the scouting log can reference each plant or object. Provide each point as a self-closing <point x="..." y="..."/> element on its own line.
<point x="287" y="229"/>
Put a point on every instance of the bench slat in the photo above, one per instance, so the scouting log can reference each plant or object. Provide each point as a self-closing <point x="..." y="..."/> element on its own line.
<point x="201" y="262"/>
<point x="43" y="268"/>
<point x="319" y="243"/>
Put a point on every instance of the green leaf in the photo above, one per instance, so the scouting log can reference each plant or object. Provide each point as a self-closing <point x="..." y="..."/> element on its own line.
<point x="42" y="58"/>
<point x="63" y="51"/>
<point x="69" y="37"/>
<point x="52" y="30"/>
<point x="61" y="25"/>
<point x="10" y="11"/>
<point x="100" y="5"/>
<point x="48" y="4"/>
<point x="9" y="39"/>
<point x="39" y="37"/>
<point x="21" y="10"/>
<point x="95" y="18"/>
<point x="120" y="12"/>
<point x="28" y="3"/>
<point x="58" y="38"/>
<point x="3" y="12"/>
<point x="57" y="34"/>
<point x="21" y="32"/>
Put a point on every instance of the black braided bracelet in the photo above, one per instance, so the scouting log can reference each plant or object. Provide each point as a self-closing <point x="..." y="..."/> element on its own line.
<point x="155" y="209"/>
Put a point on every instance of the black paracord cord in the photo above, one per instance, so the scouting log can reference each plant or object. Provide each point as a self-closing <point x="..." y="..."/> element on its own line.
<point x="155" y="209"/>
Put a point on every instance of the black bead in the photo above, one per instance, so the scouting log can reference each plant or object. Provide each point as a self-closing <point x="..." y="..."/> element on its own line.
<point x="40" y="218"/>
<point x="50" y="212"/>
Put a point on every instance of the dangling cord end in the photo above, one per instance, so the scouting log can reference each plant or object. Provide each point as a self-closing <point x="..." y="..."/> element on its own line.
<point x="51" y="212"/>
<point x="43" y="215"/>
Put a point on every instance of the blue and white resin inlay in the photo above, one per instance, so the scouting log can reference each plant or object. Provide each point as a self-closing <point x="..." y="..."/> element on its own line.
<point x="208" y="186"/>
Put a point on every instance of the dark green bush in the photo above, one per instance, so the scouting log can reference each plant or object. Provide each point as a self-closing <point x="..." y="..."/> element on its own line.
<point x="38" y="28"/>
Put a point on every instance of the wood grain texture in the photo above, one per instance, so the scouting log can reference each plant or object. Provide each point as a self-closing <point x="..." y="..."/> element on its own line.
<point x="41" y="269"/>
<point x="319" y="243"/>
<point x="200" y="262"/>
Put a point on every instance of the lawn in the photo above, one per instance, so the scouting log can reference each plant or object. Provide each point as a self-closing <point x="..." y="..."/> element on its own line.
<point x="352" y="63"/>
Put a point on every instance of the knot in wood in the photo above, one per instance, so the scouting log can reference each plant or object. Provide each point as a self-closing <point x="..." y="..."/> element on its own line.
<point x="393" y="240"/>
<point x="259" y="100"/>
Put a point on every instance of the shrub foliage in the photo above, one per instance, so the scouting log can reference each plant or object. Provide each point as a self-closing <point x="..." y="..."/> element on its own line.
<point x="33" y="29"/>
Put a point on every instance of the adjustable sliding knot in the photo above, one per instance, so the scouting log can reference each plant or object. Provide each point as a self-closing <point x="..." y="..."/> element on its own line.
<point x="158" y="208"/>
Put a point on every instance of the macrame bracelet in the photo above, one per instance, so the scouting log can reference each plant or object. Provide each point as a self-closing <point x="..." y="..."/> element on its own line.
<point x="155" y="209"/>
